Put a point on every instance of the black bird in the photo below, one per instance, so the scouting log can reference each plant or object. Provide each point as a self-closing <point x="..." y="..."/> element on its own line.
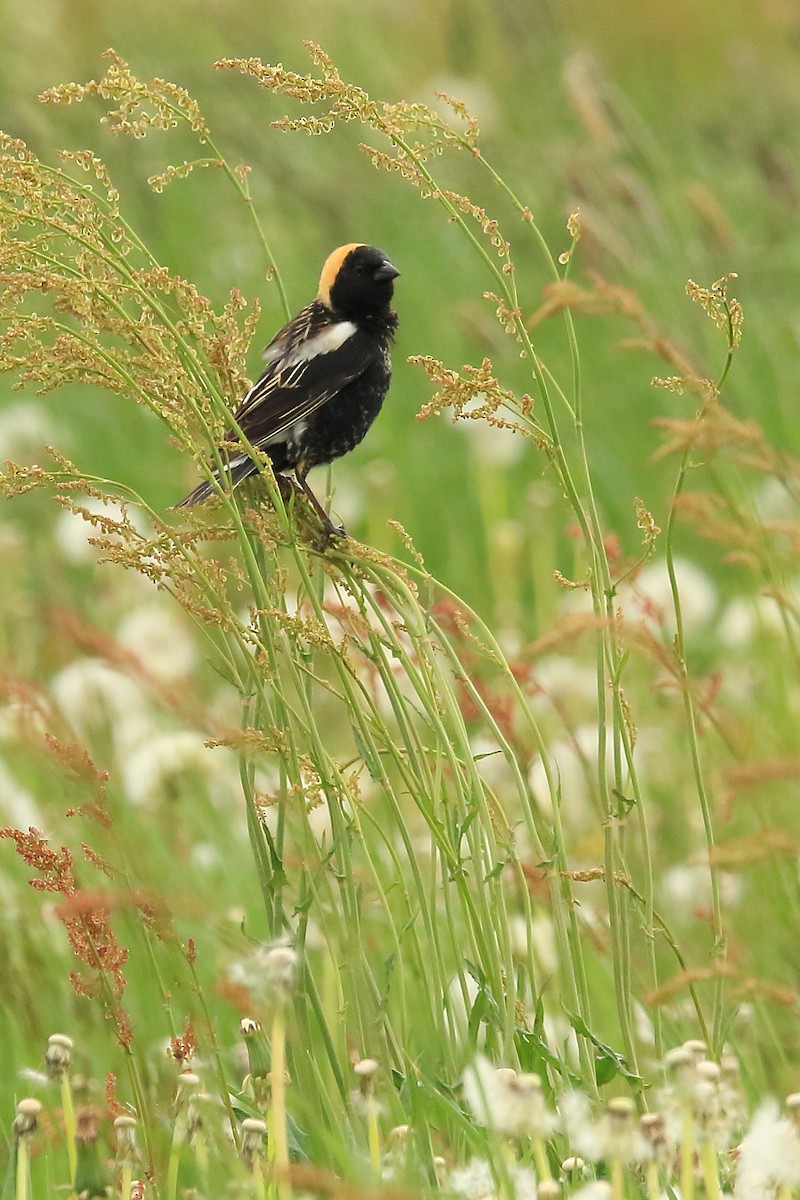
<point x="327" y="374"/>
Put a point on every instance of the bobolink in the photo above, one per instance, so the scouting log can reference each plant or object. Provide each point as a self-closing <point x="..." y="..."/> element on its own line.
<point x="327" y="374"/>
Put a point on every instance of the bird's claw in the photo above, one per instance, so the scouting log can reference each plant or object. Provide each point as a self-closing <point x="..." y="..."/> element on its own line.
<point x="329" y="532"/>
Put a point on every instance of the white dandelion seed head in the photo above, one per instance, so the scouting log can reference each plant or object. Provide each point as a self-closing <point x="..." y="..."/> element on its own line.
<point x="649" y="597"/>
<point x="769" y="1155"/>
<point x="462" y="992"/>
<point x="582" y="1131"/>
<point x="366" y="1068"/>
<point x="473" y="1181"/>
<point x="26" y="428"/>
<point x="598" y="1189"/>
<point x="161" y="759"/>
<point x="560" y="677"/>
<point x="27" y="1117"/>
<point x="37" y="1079"/>
<point x="268" y="971"/>
<point x="160" y="640"/>
<point x="92" y="695"/>
<point x="511" y="1104"/>
<point x="687" y="886"/>
<point x="17" y="805"/>
<point x="72" y="531"/>
<point x="548" y="1189"/>
<point x="494" y="445"/>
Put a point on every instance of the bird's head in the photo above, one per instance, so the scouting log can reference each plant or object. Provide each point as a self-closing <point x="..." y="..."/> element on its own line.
<point x="357" y="281"/>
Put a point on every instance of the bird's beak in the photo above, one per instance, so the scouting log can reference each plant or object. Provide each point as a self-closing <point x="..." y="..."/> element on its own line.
<point x="386" y="271"/>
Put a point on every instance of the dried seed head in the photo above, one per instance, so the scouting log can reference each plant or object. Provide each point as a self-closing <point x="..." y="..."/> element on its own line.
<point x="58" y="1055"/>
<point x="254" y="1144"/>
<point x="505" y="1075"/>
<point x="548" y="1189"/>
<point x="708" y="1071"/>
<point x="652" y="1125"/>
<point x="365" y="1071"/>
<point x="125" y="1130"/>
<point x="27" y="1117"/>
<point x="696" y="1048"/>
<point x="678" y="1060"/>
<point x="621" y="1108"/>
<point x="258" y="1057"/>
<point x="510" y="1103"/>
<point x="280" y="968"/>
<point x="91" y="1178"/>
<point x="86" y="1119"/>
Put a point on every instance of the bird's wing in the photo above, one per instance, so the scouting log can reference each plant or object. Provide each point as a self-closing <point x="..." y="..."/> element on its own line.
<point x="301" y="327"/>
<point x="306" y="371"/>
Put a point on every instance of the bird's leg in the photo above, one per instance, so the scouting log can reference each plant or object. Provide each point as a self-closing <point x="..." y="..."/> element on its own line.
<point x="329" y="530"/>
<point x="286" y="486"/>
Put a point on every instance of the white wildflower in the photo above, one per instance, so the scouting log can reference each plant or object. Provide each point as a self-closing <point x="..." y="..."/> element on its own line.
<point x="160" y="640"/>
<point x="687" y="886"/>
<point x="93" y="695"/>
<point x="769" y="1156"/>
<point x="559" y="677"/>
<point x="17" y="805"/>
<point x="494" y="445"/>
<point x="582" y="1132"/>
<point x="163" y="758"/>
<point x="22" y="720"/>
<point x="462" y="992"/>
<point x="598" y="1189"/>
<point x="267" y="972"/>
<point x="73" y="531"/>
<point x="649" y="597"/>
<point x="511" y="1104"/>
<point x="747" y="618"/>
<point x="26" y="428"/>
<point x="206" y="855"/>
<point x="475" y="1181"/>
<point x="475" y="93"/>
<point x="619" y="1128"/>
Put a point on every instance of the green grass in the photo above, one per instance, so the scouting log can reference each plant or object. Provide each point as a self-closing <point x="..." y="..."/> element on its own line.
<point x="493" y="812"/>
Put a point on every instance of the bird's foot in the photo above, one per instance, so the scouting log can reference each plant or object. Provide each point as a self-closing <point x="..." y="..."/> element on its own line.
<point x="328" y="534"/>
<point x="291" y="486"/>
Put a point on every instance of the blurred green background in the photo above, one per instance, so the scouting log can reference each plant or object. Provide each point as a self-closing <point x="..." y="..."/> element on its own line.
<point x="673" y="127"/>
<point x="676" y="130"/>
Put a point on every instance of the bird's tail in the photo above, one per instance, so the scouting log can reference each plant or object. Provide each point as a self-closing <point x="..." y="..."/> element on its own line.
<point x="234" y="472"/>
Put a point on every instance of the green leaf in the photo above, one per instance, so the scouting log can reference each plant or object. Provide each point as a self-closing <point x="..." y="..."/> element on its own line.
<point x="608" y="1062"/>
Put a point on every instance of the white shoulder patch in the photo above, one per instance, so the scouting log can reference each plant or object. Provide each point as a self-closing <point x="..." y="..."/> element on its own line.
<point x="326" y="342"/>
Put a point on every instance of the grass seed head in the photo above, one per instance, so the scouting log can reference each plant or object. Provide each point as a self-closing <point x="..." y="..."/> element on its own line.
<point x="27" y="1118"/>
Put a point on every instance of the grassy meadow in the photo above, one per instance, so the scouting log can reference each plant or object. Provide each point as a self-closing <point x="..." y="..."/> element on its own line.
<point x="460" y="857"/>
